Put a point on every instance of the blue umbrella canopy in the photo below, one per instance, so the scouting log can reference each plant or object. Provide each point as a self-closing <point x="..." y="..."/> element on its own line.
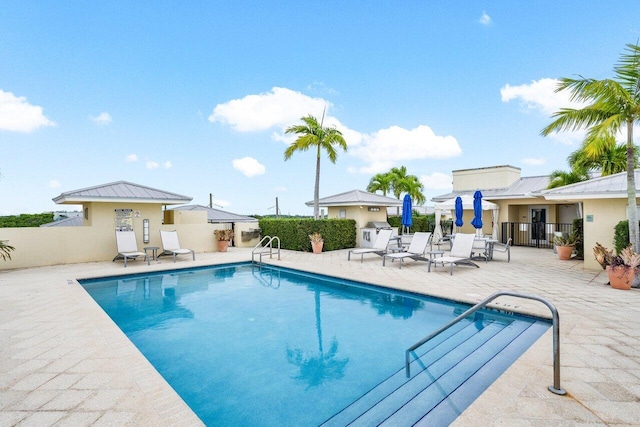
<point x="458" y="211"/>
<point x="407" y="221"/>
<point x="477" y="210"/>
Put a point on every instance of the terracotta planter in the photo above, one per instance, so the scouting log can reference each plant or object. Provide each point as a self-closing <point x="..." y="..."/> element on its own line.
<point x="317" y="247"/>
<point x="564" y="252"/>
<point x="223" y="245"/>
<point x="621" y="277"/>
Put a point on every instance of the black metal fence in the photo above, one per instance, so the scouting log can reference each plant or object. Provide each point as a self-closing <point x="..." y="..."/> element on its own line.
<point x="533" y="234"/>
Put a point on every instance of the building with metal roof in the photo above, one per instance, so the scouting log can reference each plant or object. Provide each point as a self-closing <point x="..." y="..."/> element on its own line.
<point x="216" y="216"/>
<point x="121" y="191"/>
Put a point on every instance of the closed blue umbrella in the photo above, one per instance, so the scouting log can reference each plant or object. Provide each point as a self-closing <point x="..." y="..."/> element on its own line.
<point x="458" y="211"/>
<point x="477" y="210"/>
<point x="407" y="221"/>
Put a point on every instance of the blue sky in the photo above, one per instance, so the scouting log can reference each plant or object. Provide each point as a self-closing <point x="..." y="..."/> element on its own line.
<point x="193" y="97"/>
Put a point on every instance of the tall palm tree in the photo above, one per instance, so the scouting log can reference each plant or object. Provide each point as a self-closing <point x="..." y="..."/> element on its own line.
<point x="380" y="182"/>
<point x="313" y="134"/>
<point x="612" y="104"/>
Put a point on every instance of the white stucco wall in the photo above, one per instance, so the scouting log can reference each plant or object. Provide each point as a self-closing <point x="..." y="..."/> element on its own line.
<point x="95" y="241"/>
<point x="480" y="178"/>
<point x="606" y="213"/>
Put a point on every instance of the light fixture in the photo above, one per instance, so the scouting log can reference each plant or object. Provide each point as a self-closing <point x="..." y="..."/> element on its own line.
<point x="145" y="230"/>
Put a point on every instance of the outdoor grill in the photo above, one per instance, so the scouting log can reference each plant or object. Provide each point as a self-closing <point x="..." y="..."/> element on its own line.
<point x="378" y="225"/>
<point x="368" y="232"/>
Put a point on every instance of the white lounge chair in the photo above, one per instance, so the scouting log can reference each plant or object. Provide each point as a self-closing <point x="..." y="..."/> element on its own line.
<point x="415" y="251"/>
<point x="171" y="245"/>
<point x="461" y="249"/>
<point x="503" y="247"/>
<point x="379" y="246"/>
<point x="128" y="247"/>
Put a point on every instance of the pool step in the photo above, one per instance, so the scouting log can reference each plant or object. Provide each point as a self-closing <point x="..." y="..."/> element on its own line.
<point x="466" y="357"/>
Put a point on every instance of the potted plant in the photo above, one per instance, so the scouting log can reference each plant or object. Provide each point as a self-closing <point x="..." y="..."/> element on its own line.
<point x="223" y="237"/>
<point x="565" y="245"/>
<point x="620" y="268"/>
<point x="316" y="242"/>
<point x="5" y="250"/>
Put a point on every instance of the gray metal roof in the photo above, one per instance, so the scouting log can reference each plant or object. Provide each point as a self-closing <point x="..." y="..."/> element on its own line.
<point x="604" y="187"/>
<point x="216" y="215"/>
<point x="355" y="198"/>
<point x="75" y="221"/>
<point x="121" y="191"/>
<point x="521" y="188"/>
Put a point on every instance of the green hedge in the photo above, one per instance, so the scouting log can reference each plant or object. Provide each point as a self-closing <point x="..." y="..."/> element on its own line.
<point x="26" y="220"/>
<point x="294" y="232"/>
<point x="421" y="223"/>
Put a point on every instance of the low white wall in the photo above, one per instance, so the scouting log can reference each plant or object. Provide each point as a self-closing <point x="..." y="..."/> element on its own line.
<point x="67" y="245"/>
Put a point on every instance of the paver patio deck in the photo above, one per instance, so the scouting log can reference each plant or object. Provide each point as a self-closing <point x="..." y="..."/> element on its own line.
<point x="64" y="362"/>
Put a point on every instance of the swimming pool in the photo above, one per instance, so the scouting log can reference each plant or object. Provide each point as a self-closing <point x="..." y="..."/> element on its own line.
<point x="248" y="345"/>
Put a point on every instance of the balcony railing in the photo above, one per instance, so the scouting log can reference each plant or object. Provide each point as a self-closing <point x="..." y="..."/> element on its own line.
<point x="536" y="234"/>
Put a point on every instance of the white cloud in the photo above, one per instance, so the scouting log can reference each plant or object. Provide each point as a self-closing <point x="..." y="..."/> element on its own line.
<point x="381" y="150"/>
<point x="54" y="184"/>
<point x="152" y="165"/>
<point x="131" y="158"/>
<point x="248" y="166"/>
<point x="280" y="107"/>
<point x="437" y="181"/>
<point x="101" y="119"/>
<point x="485" y="19"/>
<point x="541" y="96"/>
<point x="534" y="161"/>
<point x="167" y="164"/>
<point x="386" y="147"/>
<point x="17" y="115"/>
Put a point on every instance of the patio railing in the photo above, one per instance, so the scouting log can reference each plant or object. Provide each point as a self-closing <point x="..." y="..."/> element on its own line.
<point x="537" y="235"/>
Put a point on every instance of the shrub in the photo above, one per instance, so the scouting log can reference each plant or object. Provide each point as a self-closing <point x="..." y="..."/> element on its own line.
<point x="294" y="232"/>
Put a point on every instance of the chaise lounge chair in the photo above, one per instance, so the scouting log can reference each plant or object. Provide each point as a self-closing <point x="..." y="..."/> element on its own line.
<point x="128" y="247"/>
<point x="171" y="245"/>
<point x="379" y="246"/>
<point x="503" y="247"/>
<point x="415" y="251"/>
<point x="461" y="249"/>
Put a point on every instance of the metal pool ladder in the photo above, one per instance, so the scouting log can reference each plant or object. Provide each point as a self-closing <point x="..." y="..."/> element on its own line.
<point x="267" y="247"/>
<point x="555" y="388"/>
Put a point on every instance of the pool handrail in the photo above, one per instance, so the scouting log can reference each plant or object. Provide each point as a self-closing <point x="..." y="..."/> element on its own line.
<point x="555" y="388"/>
<point x="268" y="244"/>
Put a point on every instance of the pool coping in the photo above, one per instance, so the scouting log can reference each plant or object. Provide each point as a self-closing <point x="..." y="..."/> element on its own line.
<point x="63" y="360"/>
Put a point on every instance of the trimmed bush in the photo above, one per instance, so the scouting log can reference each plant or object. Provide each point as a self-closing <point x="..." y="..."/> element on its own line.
<point x="294" y="232"/>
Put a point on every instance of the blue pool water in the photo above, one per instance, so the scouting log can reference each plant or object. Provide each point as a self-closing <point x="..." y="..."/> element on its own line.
<point x="245" y="345"/>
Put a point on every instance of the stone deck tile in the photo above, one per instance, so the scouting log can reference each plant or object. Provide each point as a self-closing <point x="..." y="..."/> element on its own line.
<point x="64" y="362"/>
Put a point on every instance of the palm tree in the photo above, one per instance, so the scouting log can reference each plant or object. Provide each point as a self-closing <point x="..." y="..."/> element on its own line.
<point x="313" y="134"/>
<point x="380" y="182"/>
<point x="605" y="156"/>
<point x="399" y="179"/>
<point x="409" y="184"/>
<point x="560" y="178"/>
<point x="612" y="104"/>
<point x="5" y="250"/>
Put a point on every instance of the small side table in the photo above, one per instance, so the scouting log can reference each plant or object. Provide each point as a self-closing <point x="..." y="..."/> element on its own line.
<point x="154" y="251"/>
<point x="433" y="255"/>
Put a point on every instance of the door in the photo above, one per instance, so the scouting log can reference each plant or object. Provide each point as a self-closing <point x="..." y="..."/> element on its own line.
<point x="538" y="225"/>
